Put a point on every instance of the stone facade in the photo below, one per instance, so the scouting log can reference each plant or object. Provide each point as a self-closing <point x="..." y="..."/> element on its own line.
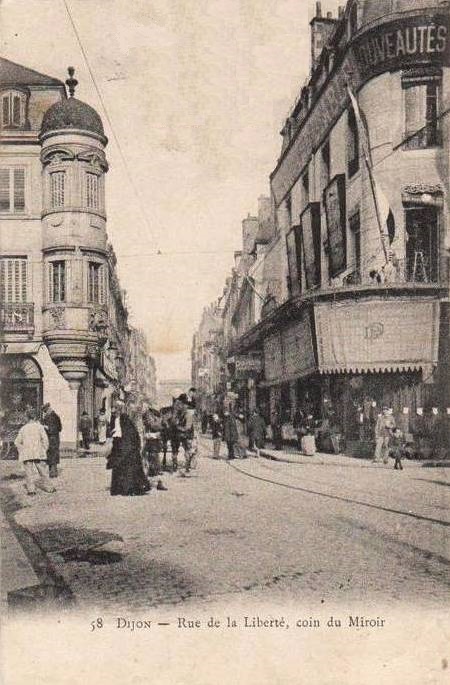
<point x="61" y="304"/>
<point x="360" y="207"/>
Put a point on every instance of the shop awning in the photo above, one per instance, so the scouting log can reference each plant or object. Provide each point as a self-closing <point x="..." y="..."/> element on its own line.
<point x="377" y="336"/>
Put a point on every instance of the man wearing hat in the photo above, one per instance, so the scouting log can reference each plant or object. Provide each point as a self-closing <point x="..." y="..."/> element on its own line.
<point x="52" y="424"/>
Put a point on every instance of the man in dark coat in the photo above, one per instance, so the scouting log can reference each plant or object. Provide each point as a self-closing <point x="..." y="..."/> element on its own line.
<point x="127" y="477"/>
<point x="52" y="424"/>
<point x="230" y="433"/>
<point x="257" y="431"/>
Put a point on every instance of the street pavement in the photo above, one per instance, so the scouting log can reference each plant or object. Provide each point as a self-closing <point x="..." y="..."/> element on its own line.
<point x="313" y="531"/>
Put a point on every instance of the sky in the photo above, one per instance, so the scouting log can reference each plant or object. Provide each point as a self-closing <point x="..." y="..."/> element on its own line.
<point x="196" y="92"/>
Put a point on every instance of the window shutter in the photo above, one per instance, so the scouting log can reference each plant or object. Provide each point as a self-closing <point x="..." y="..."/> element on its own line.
<point x="19" y="189"/>
<point x="67" y="280"/>
<point x="4" y="190"/>
<point x="5" y="110"/>
<point x="16" y="110"/>
<point x="415" y="108"/>
<point x="102" y="285"/>
<point x="2" y="280"/>
<point x="50" y="282"/>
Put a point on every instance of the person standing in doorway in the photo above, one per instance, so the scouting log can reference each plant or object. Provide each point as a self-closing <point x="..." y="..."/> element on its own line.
<point x="53" y="427"/>
<point x="85" y="429"/>
<point x="32" y="444"/>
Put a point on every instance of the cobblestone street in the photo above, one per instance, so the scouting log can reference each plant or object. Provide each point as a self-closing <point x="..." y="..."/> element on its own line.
<point x="322" y="533"/>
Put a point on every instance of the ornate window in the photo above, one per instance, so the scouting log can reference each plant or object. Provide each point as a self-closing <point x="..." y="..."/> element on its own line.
<point x="13" y="109"/>
<point x="57" y="188"/>
<point x="12" y="190"/>
<point x="13" y="279"/>
<point x="57" y="281"/>
<point x="92" y="190"/>
<point x="96" y="283"/>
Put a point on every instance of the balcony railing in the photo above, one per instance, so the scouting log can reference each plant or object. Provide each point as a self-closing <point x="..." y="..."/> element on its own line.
<point x="16" y="317"/>
<point x="416" y="270"/>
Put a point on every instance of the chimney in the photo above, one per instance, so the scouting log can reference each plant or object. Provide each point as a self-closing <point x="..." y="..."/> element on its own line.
<point x="249" y="231"/>
<point x="321" y="29"/>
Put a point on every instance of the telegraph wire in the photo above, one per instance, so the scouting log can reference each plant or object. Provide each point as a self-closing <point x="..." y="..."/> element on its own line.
<point x="108" y="118"/>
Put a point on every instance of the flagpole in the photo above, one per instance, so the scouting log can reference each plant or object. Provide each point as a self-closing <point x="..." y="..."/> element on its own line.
<point x="367" y="158"/>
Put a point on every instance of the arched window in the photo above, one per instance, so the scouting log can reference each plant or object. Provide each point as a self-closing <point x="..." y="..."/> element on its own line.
<point x="13" y="109"/>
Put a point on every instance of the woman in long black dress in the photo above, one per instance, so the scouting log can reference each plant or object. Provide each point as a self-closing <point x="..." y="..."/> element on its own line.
<point x="127" y="475"/>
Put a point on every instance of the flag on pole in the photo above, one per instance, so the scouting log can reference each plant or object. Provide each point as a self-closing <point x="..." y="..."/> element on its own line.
<point x="385" y="216"/>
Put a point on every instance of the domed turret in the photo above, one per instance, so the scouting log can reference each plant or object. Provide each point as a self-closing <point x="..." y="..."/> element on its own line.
<point x="72" y="114"/>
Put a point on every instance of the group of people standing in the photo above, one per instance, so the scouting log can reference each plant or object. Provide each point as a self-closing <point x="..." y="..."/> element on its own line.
<point x="138" y="439"/>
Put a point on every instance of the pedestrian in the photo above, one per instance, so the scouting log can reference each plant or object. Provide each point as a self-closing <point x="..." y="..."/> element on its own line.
<point x="185" y="422"/>
<point x="230" y="433"/>
<point x="277" y="426"/>
<point x="85" y="429"/>
<point x="242" y="442"/>
<point x="152" y="435"/>
<point x="308" y="442"/>
<point x="164" y="435"/>
<point x="32" y="444"/>
<point x="127" y="477"/>
<point x="383" y="429"/>
<point x="396" y="448"/>
<point x="102" y="424"/>
<point x="204" y="421"/>
<point x="174" y="436"/>
<point x="53" y="427"/>
<point x="257" y="431"/>
<point x="217" y="434"/>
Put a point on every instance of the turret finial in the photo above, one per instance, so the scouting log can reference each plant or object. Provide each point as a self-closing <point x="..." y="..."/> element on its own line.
<point x="71" y="82"/>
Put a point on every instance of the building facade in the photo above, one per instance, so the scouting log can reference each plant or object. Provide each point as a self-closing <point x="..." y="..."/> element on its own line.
<point x="64" y="323"/>
<point x="360" y="207"/>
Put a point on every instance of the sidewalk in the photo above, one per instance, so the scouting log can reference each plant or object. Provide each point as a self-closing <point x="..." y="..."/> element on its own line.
<point x="291" y="456"/>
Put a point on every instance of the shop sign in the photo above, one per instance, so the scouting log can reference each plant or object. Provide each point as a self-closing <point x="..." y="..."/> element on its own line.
<point x="403" y="42"/>
<point x="357" y="337"/>
<point x="248" y="363"/>
<point x="424" y="39"/>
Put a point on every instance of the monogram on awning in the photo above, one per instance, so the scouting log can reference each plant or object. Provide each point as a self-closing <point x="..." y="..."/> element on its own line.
<point x="357" y="337"/>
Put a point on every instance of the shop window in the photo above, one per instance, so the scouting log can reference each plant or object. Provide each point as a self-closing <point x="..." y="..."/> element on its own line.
<point x="57" y="188"/>
<point x="12" y="190"/>
<point x="310" y="232"/>
<point x="422" y="96"/>
<point x="13" y="279"/>
<point x="422" y="240"/>
<point x="13" y="109"/>
<point x="57" y="281"/>
<point x="293" y="245"/>
<point x="96" y="283"/>
<point x="92" y="191"/>
<point x="352" y="143"/>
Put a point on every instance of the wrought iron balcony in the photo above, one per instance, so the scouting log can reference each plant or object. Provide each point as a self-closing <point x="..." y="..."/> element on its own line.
<point x="16" y="317"/>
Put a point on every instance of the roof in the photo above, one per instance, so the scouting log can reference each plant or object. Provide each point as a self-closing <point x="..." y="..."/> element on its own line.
<point x="15" y="74"/>
<point x="74" y="114"/>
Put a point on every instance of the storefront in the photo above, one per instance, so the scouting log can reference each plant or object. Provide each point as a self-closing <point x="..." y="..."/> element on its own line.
<point x="20" y="389"/>
<point x="375" y="354"/>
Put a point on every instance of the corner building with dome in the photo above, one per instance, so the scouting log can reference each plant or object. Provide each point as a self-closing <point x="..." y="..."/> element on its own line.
<point x="64" y="331"/>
